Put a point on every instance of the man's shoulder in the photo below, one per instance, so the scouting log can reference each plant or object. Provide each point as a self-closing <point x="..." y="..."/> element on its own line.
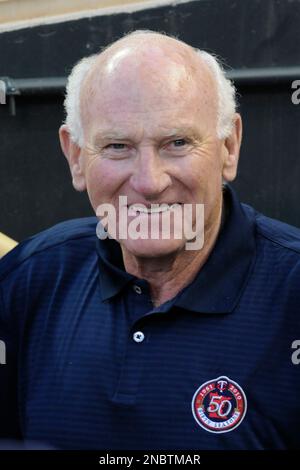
<point x="58" y="237"/>
<point x="276" y="232"/>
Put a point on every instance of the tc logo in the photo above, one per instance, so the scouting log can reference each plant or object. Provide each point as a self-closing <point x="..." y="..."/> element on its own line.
<point x="219" y="405"/>
<point x="2" y="352"/>
<point x="296" y="354"/>
<point x="2" y="92"/>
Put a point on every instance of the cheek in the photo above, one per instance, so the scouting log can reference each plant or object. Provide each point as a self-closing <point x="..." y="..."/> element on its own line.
<point x="103" y="178"/>
<point x="204" y="171"/>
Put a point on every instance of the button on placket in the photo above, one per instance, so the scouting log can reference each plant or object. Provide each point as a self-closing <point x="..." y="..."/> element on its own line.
<point x="138" y="336"/>
<point x="137" y="289"/>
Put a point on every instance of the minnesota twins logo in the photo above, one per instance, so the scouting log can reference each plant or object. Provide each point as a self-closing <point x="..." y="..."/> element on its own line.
<point x="219" y="405"/>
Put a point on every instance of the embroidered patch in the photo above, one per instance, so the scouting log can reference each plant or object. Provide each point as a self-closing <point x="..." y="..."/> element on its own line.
<point x="219" y="405"/>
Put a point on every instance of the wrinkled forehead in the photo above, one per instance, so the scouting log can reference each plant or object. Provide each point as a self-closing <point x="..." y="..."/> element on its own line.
<point x="131" y="81"/>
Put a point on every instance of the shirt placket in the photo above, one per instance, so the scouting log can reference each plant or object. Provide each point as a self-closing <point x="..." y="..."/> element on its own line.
<point x="138" y="335"/>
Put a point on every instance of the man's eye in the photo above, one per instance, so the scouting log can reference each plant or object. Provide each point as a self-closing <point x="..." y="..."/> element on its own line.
<point x="179" y="142"/>
<point x="116" y="146"/>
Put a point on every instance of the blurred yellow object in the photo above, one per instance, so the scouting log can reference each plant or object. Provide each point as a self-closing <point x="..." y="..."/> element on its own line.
<point x="6" y="244"/>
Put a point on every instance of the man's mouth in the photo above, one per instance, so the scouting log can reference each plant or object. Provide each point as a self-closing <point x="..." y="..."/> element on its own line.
<point x="137" y="209"/>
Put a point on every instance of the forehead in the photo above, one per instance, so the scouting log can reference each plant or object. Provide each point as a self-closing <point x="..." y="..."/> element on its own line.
<point x="149" y="90"/>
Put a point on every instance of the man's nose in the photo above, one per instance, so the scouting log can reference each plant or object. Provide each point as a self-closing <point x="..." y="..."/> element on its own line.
<point x="150" y="177"/>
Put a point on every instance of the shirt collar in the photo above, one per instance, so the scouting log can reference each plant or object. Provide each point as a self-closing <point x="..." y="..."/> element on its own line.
<point x="221" y="280"/>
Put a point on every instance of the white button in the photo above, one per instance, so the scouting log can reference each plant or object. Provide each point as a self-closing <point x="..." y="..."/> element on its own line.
<point x="138" y="336"/>
<point x="137" y="289"/>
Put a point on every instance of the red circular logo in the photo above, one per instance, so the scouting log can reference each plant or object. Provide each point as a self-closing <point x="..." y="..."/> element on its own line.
<point x="219" y="405"/>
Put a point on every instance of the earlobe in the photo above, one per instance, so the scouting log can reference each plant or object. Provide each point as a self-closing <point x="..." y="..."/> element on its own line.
<point x="231" y="149"/>
<point x="73" y="154"/>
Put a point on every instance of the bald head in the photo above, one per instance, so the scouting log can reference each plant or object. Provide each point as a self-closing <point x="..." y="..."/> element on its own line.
<point x="144" y="62"/>
<point x="150" y="45"/>
<point x="147" y="68"/>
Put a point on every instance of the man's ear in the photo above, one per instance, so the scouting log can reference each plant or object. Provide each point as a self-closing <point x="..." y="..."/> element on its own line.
<point x="73" y="154"/>
<point x="231" y="149"/>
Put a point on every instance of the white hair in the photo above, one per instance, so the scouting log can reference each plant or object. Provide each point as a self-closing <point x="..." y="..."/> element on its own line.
<point x="72" y="99"/>
<point x="227" y="102"/>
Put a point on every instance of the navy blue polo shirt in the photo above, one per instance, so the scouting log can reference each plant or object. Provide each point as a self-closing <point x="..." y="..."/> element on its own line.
<point x="92" y="364"/>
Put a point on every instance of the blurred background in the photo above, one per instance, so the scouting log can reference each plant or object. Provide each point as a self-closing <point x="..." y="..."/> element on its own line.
<point x="259" y="41"/>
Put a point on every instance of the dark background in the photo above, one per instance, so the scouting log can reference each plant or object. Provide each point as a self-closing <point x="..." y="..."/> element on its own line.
<point x="36" y="190"/>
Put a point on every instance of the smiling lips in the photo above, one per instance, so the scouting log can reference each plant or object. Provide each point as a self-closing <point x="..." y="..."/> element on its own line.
<point x="137" y="209"/>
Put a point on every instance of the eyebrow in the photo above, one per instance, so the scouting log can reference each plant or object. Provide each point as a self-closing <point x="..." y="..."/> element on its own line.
<point x="180" y="131"/>
<point x="103" y="135"/>
<point x="110" y="135"/>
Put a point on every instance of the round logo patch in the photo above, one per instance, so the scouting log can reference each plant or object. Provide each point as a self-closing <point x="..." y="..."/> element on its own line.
<point x="219" y="405"/>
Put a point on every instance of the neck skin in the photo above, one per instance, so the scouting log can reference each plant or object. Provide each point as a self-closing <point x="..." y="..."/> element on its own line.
<point x="169" y="275"/>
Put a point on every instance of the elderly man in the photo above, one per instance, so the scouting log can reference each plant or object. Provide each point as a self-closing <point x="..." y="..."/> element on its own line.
<point x="128" y="342"/>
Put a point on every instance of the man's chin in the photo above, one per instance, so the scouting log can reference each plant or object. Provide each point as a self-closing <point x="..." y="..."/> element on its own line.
<point x="153" y="248"/>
